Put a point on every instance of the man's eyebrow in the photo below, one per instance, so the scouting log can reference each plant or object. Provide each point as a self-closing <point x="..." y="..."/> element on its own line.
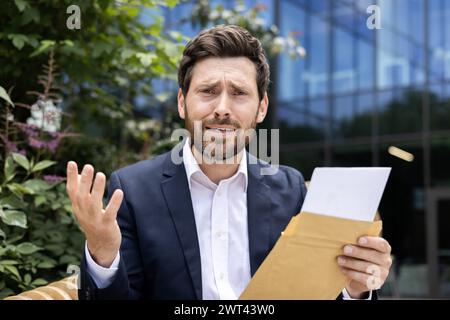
<point x="239" y="85"/>
<point x="234" y="84"/>
<point x="208" y="83"/>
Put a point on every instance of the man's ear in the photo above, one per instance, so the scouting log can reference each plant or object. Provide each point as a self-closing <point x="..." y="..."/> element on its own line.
<point x="262" y="110"/>
<point x="181" y="104"/>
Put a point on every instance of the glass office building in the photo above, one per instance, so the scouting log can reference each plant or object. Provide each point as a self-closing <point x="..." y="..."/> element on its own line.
<point x="373" y="97"/>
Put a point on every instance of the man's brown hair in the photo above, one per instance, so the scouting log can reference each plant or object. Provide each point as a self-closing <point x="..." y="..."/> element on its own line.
<point x="224" y="41"/>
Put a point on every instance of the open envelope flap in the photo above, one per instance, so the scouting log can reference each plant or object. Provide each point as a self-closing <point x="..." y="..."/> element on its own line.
<point x="302" y="264"/>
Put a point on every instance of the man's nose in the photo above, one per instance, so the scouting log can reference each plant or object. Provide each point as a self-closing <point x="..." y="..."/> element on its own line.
<point x="222" y="108"/>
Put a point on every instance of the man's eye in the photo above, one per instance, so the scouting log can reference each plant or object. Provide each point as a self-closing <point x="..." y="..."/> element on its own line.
<point x="209" y="91"/>
<point x="239" y="93"/>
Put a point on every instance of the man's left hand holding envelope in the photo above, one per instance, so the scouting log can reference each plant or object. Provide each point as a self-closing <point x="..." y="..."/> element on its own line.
<point x="366" y="265"/>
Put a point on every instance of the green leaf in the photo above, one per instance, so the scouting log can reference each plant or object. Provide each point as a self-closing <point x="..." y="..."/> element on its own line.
<point x="45" y="45"/>
<point x="30" y="14"/>
<point x="56" y="249"/>
<point x="36" y="185"/>
<point x="172" y="3"/>
<point x="2" y="233"/>
<point x="39" y="282"/>
<point x="12" y="202"/>
<point x="145" y="58"/>
<point x="27" y="278"/>
<point x="14" y="218"/>
<point x="9" y="169"/>
<point x="42" y="165"/>
<point x="46" y="265"/>
<point x="21" y="160"/>
<point x="5" y="293"/>
<point x="131" y="11"/>
<point x="8" y="262"/>
<point x="13" y="270"/>
<point x="126" y="53"/>
<point x="5" y="96"/>
<point x="19" y="189"/>
<point x="27" y="248"/>
<point x="39" y="200"/>
<point x="67" y="259"/>
<point x="176" y="35"/>
<point x="68" y="43"/>
<point x="19" y="40"/>
<point x="21" y="4"/>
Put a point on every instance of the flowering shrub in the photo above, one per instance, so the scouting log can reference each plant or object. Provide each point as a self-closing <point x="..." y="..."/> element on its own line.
<point x="38" y="234"/>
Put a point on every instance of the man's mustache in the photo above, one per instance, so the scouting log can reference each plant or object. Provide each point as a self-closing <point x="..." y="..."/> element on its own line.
<point x="226" y="121"/>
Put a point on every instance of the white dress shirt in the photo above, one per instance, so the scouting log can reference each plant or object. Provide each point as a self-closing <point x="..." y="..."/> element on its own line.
<point x="220" y="212"/>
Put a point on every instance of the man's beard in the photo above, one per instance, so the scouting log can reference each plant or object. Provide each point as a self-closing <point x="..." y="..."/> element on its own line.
<point x="230" y="145"/>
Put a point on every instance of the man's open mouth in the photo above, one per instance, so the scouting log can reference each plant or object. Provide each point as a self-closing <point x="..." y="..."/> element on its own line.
<point x="221" y="129"/>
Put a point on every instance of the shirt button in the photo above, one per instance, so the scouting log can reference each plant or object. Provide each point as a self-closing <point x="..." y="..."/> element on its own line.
<point x="219" y="193"/>
<point x="219" y="234"/>
<point x="221" y="276"/>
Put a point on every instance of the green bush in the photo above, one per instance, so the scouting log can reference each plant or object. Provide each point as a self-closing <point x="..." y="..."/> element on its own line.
<point x="39" y="237"/>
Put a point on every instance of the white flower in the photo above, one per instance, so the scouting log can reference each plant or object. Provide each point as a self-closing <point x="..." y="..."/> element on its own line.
<point x="279" y="41"/>
<point x="130" y="125"/>
<point x="259" y="22"/>
<point x="233" y="20"/>
<point x="278" y="44"/>
<point x="213" y="15"/>
<point x="291" y="42"/>
<point x="45" y="115"/>
<point x="301" y="51"/>
<point x="226" y="14"/>
<point x="240" y="8"/>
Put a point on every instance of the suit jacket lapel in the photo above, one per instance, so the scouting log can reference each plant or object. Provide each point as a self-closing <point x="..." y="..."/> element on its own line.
<point x="178" y="198"/>
<point x="258" y="211"/>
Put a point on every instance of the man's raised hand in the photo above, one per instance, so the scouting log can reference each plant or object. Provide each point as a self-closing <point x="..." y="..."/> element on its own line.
<point x="98" y="224"/>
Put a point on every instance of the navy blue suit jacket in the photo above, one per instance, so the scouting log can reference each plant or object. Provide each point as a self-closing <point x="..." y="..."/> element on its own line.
<point x="160" y="257"/>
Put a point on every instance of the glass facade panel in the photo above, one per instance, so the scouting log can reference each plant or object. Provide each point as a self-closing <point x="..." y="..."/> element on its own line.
<point x="318" y="44"/>
<point x="365" y="64"/>
<point x="294" y="19"/>
<point x="343" y="61"/>
<point x="436" y="39"/>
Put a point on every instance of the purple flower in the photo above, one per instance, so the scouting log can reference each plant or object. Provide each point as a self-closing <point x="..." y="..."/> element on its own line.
<point x="9" y="145"/>
<point x="53" y="178"/>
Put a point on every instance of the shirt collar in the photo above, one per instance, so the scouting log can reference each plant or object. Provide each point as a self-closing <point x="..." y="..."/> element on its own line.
<point x="191" y="166"/>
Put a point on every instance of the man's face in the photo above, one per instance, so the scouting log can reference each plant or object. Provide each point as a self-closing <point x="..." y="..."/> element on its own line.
<point x="223" y="101"/>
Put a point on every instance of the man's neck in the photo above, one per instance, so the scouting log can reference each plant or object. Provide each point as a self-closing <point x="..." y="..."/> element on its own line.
<point x="218" y="171"/>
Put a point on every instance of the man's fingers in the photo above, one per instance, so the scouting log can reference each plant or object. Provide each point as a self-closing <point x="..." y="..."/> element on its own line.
<point x="114" y="205"/>
<point x="84" y="186"/>
<point x="366" y="254"/>
<point x="376" y="243"/>
<point x="361" y="266"/>
<point x="98" y="190"/>
<point x="72" y="180"/>
<point x="355" y="264"/>
<point x="369" y="281"/>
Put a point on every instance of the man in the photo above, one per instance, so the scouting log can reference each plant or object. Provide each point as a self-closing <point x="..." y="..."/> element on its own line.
<point x="199" y="229"/>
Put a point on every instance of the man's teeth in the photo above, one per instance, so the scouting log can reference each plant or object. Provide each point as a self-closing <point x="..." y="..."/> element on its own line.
<point x="222" y="129"/>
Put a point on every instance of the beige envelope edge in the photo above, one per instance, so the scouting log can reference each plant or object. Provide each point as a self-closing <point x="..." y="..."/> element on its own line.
<point x="302" y="264"/>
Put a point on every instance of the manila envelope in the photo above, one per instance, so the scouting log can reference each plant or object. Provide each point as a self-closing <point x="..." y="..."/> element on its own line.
<point x="303" y="262"/>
